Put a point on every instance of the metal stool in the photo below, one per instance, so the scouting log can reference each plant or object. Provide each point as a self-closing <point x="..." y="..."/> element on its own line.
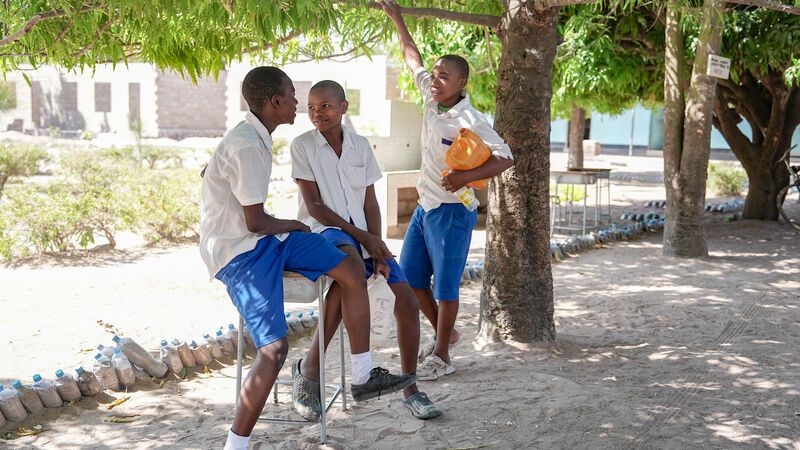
<point x="298" y="289"/>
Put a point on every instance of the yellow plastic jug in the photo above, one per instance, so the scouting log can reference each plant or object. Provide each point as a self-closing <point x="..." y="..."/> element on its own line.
<point x="467" y="152"/>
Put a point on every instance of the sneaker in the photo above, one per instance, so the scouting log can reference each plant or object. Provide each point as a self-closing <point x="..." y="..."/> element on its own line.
<point x="421" y="406"/>
<point x="381" y="382"/>
<point x="433" y="368"/>
<point x="426" y="350"/>
<point x="305" y="395"/>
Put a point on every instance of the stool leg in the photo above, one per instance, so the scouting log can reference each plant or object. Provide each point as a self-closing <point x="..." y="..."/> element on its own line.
<point x="322" y="417"/>
<point x="341" y="364"/>
<point x="239" y="358"/>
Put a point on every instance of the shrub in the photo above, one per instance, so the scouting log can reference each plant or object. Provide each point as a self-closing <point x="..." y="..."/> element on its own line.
<point x="162" y="157"/>
<point x="726" y="179"/>
<point x="279" y="145"/>
<point x="19" y="161"/>
<point x="167" y="205"/>
<point x="568" y="192"/>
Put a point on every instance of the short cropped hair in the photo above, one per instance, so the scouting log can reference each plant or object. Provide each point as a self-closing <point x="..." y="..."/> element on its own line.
<point x="332" y="87"/>
<point x="261" y="84"/>
<point x="461" y="64"/>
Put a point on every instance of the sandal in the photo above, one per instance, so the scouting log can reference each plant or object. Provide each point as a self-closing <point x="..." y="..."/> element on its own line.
<point x="421" y="406"/>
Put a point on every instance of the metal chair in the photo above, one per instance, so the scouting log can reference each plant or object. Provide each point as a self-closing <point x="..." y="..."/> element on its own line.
<point x="298" y="289"/>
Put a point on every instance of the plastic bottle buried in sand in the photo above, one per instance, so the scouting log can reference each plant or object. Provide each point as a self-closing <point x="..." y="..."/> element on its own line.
<point x="11" y="406"/>
<point x="88" y="384"/>
<point x="141" y="357"/>
<point x="29" y="398"/>
<point x="47" y="392"/>
<point x="309" y="320"/>
<point x="124" y="368"/>
<point x="170" y="357"/>
<point x="213" y="346"/>
<point x="105" y="372"/>
<point x="233" y="334"/>
<point x="106" y="350"/>
<point x="248" y="340"/>
<point x="186" y="355"/>
<point x="294" y="324"/>
<point x="2" y="420"/>
<point x="201" y="354"/>
<point x="225" y="343"/>
<point x="67" y="387"/>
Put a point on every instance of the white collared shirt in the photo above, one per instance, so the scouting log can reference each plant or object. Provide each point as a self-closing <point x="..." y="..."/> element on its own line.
<point x="237" y="175"/>
<point x="342" y="181"/>
<point x="438" y="131"/>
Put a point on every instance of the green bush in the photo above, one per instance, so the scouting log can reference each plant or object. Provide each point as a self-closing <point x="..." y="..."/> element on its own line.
<point x="167" y="205"/>
<point x="162" y="157"/>
<point x="279" y="146"/>
<point x="568" y="192"/>
<point x="19" y="161"/>
<point x="726" y="180"/>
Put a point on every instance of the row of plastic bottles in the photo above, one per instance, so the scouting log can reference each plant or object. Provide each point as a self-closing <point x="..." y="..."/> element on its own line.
<point x="300" y="323"/>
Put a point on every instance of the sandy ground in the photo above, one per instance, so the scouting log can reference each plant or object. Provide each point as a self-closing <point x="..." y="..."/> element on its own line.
<point x="652" y="352"/>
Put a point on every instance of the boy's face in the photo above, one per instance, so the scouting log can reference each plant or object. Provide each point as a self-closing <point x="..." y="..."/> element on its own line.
<point x="286" y="110"/>
<point x="447" y="82"/>
<point x="325" y="110"/>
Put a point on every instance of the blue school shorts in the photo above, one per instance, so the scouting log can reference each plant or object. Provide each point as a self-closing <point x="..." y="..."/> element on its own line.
<point x="254" y="279"/>
<point x="338" y="237"/>
<point x="437" y="244"/>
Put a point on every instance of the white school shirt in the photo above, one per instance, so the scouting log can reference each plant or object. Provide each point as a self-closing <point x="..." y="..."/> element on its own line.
<point x="438" y="131"/>
<point x="237" y="175"/>
<point x="342" y="181"/>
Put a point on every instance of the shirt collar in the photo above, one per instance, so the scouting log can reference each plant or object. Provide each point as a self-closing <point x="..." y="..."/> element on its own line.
<point x="458" y="107"/>
<point x="321" y="142"/>
<point x="260" y="128"/>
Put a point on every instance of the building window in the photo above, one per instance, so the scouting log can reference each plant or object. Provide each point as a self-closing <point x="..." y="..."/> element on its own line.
<point x="134" y="109"/>
<point x="69" y="96"/>
<point x="102" y="97"/>
<point x="354" y="99"/>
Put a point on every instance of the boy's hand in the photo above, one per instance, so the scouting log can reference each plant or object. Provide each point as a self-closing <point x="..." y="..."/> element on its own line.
<point x="381" y="268"/>
<point x="455" y="180"/>
<point x="391" y="8"/>
<point x="376" y="248"/>
<point x="296" y="225"/>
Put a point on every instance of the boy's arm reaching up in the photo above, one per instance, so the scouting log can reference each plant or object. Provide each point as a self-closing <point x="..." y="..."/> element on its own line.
<point x="410" y="52"/>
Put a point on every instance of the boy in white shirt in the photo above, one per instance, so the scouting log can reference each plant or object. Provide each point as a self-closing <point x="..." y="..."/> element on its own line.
<point x="437" y="240"/>
<point x="335" y="170"/>
<point x="248" y="250"/>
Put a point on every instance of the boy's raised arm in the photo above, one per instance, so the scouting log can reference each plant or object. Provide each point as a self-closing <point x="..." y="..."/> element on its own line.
<point x="410" y="52"/>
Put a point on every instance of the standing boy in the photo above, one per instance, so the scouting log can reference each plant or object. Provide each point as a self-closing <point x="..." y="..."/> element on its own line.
<point x="335" y="170"/>
<point x="248" y="250"/>
<point x="438" y="237"/>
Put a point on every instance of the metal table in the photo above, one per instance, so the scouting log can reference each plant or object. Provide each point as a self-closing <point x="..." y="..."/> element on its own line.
<point x="568" y="216"/>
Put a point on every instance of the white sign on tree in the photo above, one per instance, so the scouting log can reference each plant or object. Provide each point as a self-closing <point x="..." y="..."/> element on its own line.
<point x="718" y="66"/>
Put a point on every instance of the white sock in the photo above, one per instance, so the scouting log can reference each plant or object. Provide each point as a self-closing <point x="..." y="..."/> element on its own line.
<point x="236" y="442"/>
<point x="362" y="365"/>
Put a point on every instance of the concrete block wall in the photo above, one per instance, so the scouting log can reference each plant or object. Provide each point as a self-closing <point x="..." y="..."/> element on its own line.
<point x="187" y="109"/>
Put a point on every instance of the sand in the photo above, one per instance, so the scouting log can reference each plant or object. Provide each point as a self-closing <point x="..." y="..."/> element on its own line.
<point x="652" y="352"/>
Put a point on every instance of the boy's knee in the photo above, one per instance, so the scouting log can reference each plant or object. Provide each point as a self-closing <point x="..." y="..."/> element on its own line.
<point x="406" y="303"/>
<point x="276" y="351"/>
<point x="353" y="271"/>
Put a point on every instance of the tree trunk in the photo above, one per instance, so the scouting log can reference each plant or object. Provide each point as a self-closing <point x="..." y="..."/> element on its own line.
<point x="688" y="167"/>
<point x="517" y="295"/>
<point x="765" y="182"/>
<point x="577" y="129"/>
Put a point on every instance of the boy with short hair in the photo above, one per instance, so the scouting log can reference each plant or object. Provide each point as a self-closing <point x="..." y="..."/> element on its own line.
<point x="335" y="170"/>
<point x="248" y="250"/>
<point x="437" y="240"/>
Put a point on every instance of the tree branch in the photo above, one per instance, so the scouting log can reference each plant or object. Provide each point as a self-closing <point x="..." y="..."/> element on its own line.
<point x="486" y="20"/>
<point x="97" y="35"/>
<point x="38" y="18"/>
<point x="726" y="119"/>
<point x="768" y="4"/>
<point x="279" y="41"/>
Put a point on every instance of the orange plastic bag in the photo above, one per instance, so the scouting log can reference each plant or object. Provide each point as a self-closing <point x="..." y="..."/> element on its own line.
<point x="467" y="152"/>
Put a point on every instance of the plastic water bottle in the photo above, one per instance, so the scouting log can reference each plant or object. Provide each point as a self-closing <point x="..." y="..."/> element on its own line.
<point x="201" y="354"/>
<point x="213" y="346"/>
<point x="289" y="331"/>
<point x="88" y="384"/>
<point x="186" y="355"/>
<point x="11" y="406"/>
<point x="2" y="419"/>
<point x="105" y="372"/>
<point x="233" y="334"/>
<point x="294" y="323"/>
<point x="311" y="318"/>
<point x="307" y="321"/>
<point x="141" y="357"/>
<point x="106" y="350"/>
<point x="29" y="398"/>
<point x="124" y="368"/>
<point x="225" y="343"/>
<point x="467" y="197"/>
<point x="170" y="357"/>
<point x="67" y="387"/>
<point x="47" y="392"/>
<point x="248" y="340"/>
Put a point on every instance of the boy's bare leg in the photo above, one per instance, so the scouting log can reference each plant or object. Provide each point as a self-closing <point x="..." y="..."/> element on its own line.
<point x="258" y="384"/>
<point x="406" y="312"/>
<point x="309" y="366"/>
<point x="349" y="274"/>
<point x="429" y="307"/>
<point x="445" y="330"/>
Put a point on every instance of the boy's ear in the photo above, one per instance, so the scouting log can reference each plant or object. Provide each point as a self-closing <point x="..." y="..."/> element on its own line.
<point x="345" y="105"/>
<point x="275" y="101"/>
<point x="463" y="83"/>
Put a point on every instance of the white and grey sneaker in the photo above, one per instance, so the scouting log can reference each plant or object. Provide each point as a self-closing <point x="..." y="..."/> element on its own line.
<point x="433" y="368"/>
<point x="426" y="349"/>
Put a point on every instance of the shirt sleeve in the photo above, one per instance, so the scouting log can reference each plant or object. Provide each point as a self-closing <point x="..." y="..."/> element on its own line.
<point x="492" y="140"/>
<point x="373" y="170"/>
<point x="422" y="80"/>
<point x="301" y="166"/>
<point x="248" y="171"/>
